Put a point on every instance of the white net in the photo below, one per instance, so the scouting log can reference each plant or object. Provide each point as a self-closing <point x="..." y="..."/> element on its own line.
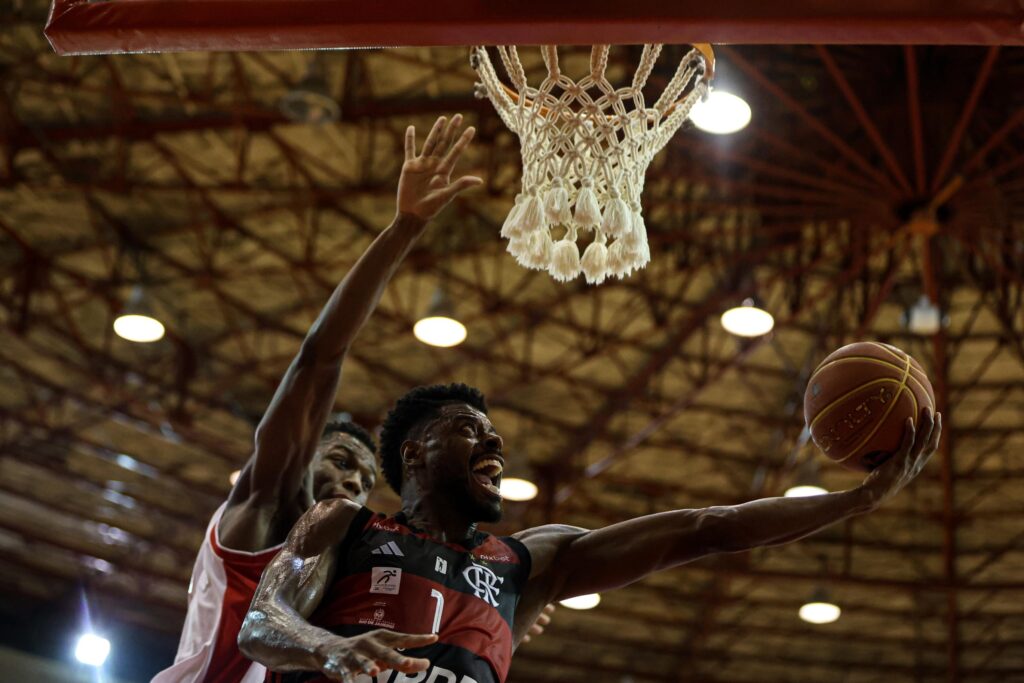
<point x="586" y="146"/>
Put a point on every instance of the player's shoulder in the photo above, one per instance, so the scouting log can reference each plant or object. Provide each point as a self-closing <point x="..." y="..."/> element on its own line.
<point x="545" y="544"/>
<point x="323" y="525"/>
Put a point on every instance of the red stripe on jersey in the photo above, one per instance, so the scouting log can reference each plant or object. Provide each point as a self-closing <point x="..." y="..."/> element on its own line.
<point x="242" y="572"/>
<point x="466" y="620"/>
<point x="240" y="558"/>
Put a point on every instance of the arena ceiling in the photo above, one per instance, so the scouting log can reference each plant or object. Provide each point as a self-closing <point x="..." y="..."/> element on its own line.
<point x="179" y="172"/>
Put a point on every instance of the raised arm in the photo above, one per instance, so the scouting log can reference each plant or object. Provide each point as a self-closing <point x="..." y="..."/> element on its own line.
<point x="569" y="561"/>
<point x="289" y="432"/>
<point x="276" y="632"/>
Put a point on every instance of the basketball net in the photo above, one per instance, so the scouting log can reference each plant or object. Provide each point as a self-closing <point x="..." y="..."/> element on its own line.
<point x="586" y="146"/>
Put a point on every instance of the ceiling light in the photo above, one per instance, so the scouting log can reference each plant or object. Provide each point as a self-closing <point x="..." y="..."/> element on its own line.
<point x="439" y="327"/>
<point x="924" y="317"/>
<point x="748" y="320"/>
<point x="139" y="328"/>
<point x="135" y="322"/>
<point x="582" y="601"/>
<point x="514" y="488"/>
<point x="233" y="477"/>
<point x="92" y="649"/>
<point x="804" y="490"/>
<point x="819" y="609"/>
<point x="440" y="330"/>
<point x="721" y="113"/>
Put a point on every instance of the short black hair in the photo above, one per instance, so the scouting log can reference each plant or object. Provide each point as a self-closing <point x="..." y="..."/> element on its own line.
<point x="344" y="425"/>
<point x="413" y="409"/>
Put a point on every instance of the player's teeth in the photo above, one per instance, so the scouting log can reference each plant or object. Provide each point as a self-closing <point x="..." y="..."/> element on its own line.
<point x="491" y="465"/>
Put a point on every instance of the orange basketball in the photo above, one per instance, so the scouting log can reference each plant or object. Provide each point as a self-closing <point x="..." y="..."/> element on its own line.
<point x="858" y="400"/>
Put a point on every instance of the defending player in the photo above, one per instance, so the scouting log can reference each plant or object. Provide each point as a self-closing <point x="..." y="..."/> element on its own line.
<point x="366" y="581"/>
<point x="278" y="484"/>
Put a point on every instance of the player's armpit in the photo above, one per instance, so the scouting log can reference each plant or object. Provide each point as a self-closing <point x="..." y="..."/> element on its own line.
<point x="545" y="544"/>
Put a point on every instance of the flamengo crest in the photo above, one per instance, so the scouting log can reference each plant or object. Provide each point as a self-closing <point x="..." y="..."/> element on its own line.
<point x="484" y="583"/>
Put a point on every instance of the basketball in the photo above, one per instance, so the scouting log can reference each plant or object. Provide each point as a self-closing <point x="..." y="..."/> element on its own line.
<point x="858" y="400"/>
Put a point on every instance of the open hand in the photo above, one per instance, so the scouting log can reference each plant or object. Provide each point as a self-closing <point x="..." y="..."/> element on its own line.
<point x="426" y="184"/>
<point x="891" y="476"/>
<point x="538" y="626"/>
<point x="342" y="659"/>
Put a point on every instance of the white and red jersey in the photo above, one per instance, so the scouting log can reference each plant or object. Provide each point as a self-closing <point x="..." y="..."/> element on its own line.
<point x="223" y="584"/>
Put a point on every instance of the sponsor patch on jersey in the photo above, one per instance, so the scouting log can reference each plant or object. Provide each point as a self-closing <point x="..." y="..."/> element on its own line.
<point x="379" y="617"/>
<point x="385" y="525"/>
<point x="505" y="557"/>
<point x="435" y="674"/>
<point x="386" y="580"/>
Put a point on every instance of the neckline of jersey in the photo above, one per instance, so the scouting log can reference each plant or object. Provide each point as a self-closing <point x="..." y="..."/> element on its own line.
<point x="471" y="543"/>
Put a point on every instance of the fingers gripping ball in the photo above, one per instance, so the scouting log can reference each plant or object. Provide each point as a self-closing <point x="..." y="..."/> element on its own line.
<point x="858" y="400"/>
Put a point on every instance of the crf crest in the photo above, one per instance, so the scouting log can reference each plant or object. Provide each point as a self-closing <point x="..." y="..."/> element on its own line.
<point x="484" y="583"/>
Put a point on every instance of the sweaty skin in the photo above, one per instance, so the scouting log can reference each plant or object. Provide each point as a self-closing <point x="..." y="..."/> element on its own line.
<point x="442" y="497"/>
<point x="567" y="560"/>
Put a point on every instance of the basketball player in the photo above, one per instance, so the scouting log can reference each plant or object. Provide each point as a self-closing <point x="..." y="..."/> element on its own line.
<point x="355" y="594"/>
<point x="296" y="459"/>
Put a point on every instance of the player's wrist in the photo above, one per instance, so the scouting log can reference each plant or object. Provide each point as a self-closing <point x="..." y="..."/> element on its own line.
<point x="408" y="219"/>
<point x="867" y="497"/>
<point x="327" y="654"/>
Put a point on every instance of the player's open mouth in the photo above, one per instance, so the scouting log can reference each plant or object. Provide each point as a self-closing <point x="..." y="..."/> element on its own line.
<point x="487" y="473"/>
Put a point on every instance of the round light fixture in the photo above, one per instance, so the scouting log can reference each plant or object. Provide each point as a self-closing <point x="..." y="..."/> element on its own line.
<point x="747" y="320"/>
<point x="721" y="113"/>
<point x="138" y="328"/>
<point x="589" y="601"/>
<point x="804" y="490"/>
<point x="820" y="612"/>
<point x="440" y="330"/>
<point x="924" y="317"/>
<point x="92" y="649"/>
<point x="233" y="477"/>
<point x="515" y="488"/>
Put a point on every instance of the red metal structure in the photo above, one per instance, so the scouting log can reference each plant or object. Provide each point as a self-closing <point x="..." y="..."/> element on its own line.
<point x="869" y="175"/>
<point x="118" y="26"/>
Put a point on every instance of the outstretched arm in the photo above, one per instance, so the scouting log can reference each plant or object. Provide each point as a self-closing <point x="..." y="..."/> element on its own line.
<point x="276" y="632"/>
<point x="569" y="561"/>
<point x="290" y="430"/>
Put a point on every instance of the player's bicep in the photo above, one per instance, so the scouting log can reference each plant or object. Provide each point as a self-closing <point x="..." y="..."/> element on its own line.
<point x="619" y="554"/>
<point x="285" y="438"/>
<point x="298" y="576"/>
<point x="291" y="582"/>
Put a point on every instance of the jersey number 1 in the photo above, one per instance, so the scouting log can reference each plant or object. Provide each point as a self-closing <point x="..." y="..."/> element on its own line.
<point x="438" y="608"/>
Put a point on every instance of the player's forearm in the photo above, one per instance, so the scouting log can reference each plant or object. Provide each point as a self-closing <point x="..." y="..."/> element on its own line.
<point x="774" y="521"/>
<point x="357" y="296"/>
<point x="280" y="639"/>
<point x="289" y="430"/>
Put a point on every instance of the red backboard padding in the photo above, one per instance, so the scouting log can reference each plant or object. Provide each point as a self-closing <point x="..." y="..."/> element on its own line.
<point x="113" y="26"/>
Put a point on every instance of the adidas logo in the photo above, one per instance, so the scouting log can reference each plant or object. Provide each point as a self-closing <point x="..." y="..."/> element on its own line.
<point x="389" y="548"/>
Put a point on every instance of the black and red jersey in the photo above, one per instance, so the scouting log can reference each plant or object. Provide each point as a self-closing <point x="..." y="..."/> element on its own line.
<point x="394" y="577"/>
